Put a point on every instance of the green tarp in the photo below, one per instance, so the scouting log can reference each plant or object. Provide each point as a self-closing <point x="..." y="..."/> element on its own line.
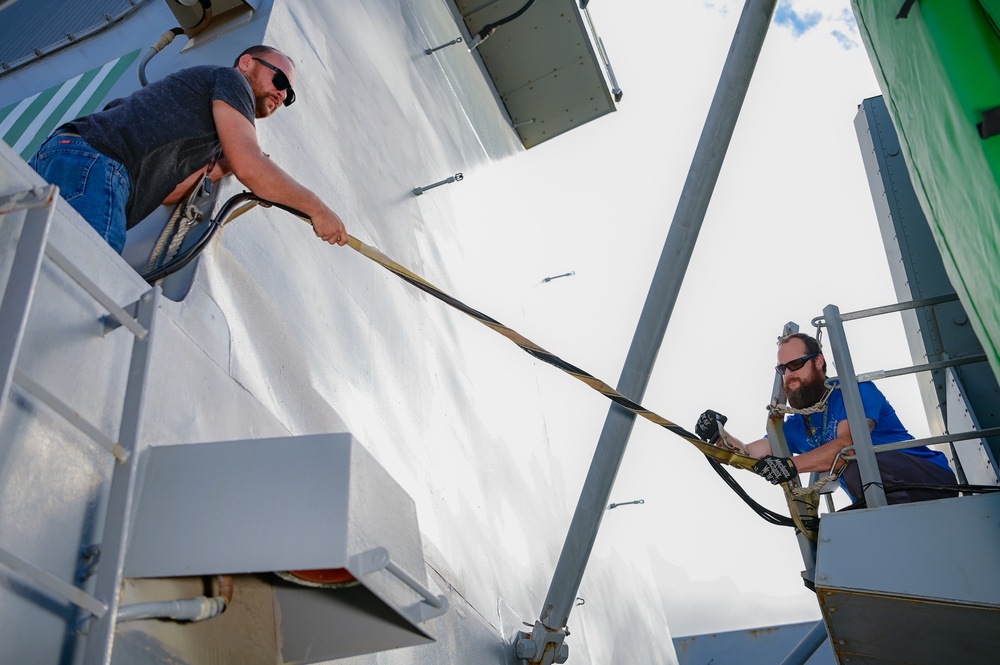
<point x="939" y="70"/>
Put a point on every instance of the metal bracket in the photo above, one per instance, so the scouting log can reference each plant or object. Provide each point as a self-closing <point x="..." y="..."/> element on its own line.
<point x="456" y="40"/>
<point x="543" y="646"/>
<point x="112" y="322"/>
<point x="96" y="292"/>
<point x="458" y="177"/>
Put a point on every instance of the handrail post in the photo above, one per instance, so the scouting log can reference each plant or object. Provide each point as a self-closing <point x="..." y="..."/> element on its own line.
<point x="871" y="479"/>
<point x="779" y="447"/>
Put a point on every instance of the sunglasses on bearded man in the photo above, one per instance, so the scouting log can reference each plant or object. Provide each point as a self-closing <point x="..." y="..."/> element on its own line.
<point x="280" y="81"/>
<point x="794" y="365"/>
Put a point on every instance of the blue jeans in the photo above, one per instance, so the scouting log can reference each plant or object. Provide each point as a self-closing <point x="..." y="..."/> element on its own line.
<point x="95" y="185"/>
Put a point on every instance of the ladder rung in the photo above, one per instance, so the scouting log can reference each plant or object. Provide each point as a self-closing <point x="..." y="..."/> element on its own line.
<point x="59" y="587"/>
<point x="72" y="416"/>
<point x="95" y="291"/>
<point x="926" y="367"/>
<point x="888" y="309"/>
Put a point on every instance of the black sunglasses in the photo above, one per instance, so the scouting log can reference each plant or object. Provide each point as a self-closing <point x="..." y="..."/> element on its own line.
<point x="794" y="365"/>
<point x="280" y="81"/>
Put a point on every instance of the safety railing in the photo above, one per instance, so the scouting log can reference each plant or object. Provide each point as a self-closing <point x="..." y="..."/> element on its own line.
<point x="833" y="320"/>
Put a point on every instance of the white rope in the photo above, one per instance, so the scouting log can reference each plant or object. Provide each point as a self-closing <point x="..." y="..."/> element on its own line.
<point x="154" y="257"/>
<point x="191" y="217"/>
<point x="818" y="407"/>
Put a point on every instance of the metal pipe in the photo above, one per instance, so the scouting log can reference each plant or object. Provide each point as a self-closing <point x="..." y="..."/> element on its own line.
<point x="188" y="609"/>
<point x="163" y="42"/>
<point x="807" y="646"/>
<point x="676" y="254"/>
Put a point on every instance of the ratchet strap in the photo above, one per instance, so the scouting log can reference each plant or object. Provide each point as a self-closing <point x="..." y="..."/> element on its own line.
<point x="730" y="457"/>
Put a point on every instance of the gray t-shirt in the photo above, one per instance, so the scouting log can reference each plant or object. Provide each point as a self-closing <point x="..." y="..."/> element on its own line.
<point x="165" y="132"/>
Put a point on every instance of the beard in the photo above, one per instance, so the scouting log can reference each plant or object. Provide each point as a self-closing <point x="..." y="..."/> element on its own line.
<point x="808" y="392"/>
<point x="261" y="109"/>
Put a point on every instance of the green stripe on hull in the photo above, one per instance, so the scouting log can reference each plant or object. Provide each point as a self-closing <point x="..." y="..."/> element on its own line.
<point x="116" y="73"/>
<point x="24" y="127"/>
<point x="939" y="70"/>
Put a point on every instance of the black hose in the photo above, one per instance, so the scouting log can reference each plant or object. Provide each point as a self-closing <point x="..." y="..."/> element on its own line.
<point x="966" y="489"/>
<point x="165" y="39"/>
<point x="488" y="29"/>
<point x="766" y="513"/>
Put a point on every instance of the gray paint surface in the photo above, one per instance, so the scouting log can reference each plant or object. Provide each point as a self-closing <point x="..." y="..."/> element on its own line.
<point x="281" y="335"/>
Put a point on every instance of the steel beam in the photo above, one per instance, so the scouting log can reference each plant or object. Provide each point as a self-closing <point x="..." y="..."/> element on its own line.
<point x="651" y="328"/>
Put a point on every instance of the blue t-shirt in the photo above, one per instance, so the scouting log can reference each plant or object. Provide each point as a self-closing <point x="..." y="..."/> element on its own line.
<point x="804" y="433"/>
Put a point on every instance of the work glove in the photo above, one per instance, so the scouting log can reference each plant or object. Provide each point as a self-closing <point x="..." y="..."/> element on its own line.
<point x="707" y="427"/>
<point x="776" y="470"/>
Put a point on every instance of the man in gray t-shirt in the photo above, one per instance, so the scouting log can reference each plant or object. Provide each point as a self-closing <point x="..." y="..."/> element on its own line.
<point x="152" y="147"/>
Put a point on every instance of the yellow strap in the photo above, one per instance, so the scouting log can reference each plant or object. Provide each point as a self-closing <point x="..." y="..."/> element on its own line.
<point x="729" y="457"/>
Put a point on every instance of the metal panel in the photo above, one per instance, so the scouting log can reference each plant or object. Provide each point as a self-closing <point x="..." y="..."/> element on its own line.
<point x="918" y="272"/>
<point x="288" y="503"/>
<point x="291" y="503"/>
<point x="879" y="630"/>
<point x="546" y="65"/>
<point x="956" y="541"/>
<point x="25" y="123"/>
<point x="280" y="334"/>
<point x="975" y="458"/>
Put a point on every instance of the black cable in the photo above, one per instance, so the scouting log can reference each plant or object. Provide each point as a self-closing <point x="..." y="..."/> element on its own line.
<point x="766" y="513"/>
<point x="489" y="28"/>
<point x="967" y="489"/>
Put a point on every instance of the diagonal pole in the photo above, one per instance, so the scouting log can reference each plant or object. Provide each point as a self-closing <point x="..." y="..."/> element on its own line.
<point x="684" y="228"/>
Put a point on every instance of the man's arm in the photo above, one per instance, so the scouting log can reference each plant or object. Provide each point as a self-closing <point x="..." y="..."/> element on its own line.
<point x="265" y="178"/>
<point x="759" y="448"/>
<point x="822" y="457"/>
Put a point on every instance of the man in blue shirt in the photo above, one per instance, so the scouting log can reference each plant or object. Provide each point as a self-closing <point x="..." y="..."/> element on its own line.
<point x="818" y="438"/>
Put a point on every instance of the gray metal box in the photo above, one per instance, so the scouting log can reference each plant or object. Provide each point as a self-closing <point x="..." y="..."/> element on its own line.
<point x="288" y="504"/>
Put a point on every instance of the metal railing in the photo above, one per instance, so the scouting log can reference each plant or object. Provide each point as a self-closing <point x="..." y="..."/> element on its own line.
<point x="833" y="320"/>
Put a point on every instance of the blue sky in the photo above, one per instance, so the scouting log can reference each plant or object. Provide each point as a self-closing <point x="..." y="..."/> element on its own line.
<point x="786" y="16"/>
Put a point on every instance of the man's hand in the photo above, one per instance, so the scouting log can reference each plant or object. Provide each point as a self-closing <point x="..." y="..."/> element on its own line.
<point x="707" y="427"/>
<point x="776" y="470"/>
<point x="266" y="179"/>
<point x="329" y="227"/>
